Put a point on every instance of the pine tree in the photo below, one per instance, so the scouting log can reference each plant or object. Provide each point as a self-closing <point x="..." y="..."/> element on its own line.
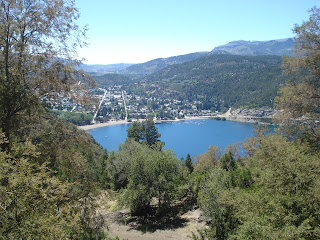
<point x="188" y="163"/>
<point x="145" y="132"/>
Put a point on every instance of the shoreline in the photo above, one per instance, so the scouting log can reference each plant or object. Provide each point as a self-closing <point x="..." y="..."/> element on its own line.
<point x="246" y="119"/>
<point x="99" y="125"/>
<point x="119" y="122"/>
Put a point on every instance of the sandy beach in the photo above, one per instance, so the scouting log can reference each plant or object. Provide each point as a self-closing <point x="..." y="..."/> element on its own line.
<point x="227" y="115"/>
<point x="111" y="123"/>
<point x="106" y="124"/>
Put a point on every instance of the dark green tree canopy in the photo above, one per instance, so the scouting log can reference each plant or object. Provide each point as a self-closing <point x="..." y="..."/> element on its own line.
<point x="228" y="162"/>
<point x="189" y="164"/>
<point x="144" y="132"/>
<point x="151" y="174"/>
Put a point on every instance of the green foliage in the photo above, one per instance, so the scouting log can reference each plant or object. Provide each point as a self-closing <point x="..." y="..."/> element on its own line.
<point x="220" y="80"/>
<point x="145" y="132"/>
<point x="112" y="79"/>
<point x="216" y="201"/>
<point x="75" y="118"/>
<point x="56" y="156"/>
<point x="272" y="195"/>
<point x="160" y="63"/>
<point x="284" y="202"/>
<point x="136" y="131"/>
<point x="29" y="197"/>
<point x="242" y="178"/>
<point x="151" y="174"/>
<point x="31" y="63"/>
<point x="203" y="234"/>
<point x="90" y="223"/>
<point x="34" y="204"/>
<point x="209" y="159"/>
<point x="220" y="118"/>
<point x="48" y="168"/>
<point x="189" y="164"/>
<point x="70" y="152"/>
<point x="299" y="99"/>
<point x="228" y="162"/>
<point x="218" y="188"/>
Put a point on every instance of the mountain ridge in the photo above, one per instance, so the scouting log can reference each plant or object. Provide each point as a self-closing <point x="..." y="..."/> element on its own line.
<point x="160" y="63"/>
<point x="277" y="47"/>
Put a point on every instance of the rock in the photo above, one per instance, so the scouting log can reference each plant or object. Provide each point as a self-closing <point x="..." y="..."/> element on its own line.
<point x="264" y="112"/>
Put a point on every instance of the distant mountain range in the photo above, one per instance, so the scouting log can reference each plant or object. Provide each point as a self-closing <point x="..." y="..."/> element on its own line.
<point x="160" y="63"/>
<point x="103" y="69"/>
<point x="238" y="74"/>
<point x="245" y="48"/>
<point x="257" y="48"/>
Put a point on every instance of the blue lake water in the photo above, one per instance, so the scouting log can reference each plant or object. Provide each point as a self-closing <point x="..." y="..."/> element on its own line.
<point x="190" y="136"/>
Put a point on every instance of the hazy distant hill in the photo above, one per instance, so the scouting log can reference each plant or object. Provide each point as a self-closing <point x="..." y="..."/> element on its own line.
<point x="222" y="80"/>
<point x="111" y="79"/>
<point x="160" y="63"/>
<point x="256" y="48"/>
<point x="102" y="69"/>
<point x="246" y="48"/>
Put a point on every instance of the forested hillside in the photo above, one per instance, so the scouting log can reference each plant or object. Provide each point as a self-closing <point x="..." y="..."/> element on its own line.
<point x="157" y="64"/>
<point x="112" y="79"/>
<point x="246" y="48"/>
<point x="223" y="79"/>
<point x="50" y="171"/>
<point x="281" y="47"/>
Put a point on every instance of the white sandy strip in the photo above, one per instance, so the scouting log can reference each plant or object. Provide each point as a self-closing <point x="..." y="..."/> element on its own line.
<point x="98" y="125"/>
<point x="111" y="123"/>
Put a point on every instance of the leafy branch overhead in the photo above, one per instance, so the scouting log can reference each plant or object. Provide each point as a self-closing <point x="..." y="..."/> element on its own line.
<point x="38" y="40"/>
<point x="300" y="97"/>
<point x="48" y="168"/>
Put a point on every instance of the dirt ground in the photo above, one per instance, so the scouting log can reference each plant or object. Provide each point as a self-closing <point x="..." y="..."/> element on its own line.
<point x="179" y="229"/>
<point x="119" y="223"/>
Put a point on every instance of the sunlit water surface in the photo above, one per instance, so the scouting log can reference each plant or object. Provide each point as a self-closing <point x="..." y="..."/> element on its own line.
<point x="190" y="136"/>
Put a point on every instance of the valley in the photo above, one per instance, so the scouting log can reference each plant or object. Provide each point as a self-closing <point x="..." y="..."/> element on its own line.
<point x="63" y="175"/>
<point x="204" y="84"/>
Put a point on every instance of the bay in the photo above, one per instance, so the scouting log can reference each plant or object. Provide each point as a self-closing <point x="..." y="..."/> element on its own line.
<point x="189" y="136"/>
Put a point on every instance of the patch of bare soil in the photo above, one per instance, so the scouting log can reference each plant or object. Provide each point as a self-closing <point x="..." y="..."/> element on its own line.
<point x="178" y="223"/>
<point x="179" y="228"/>
<point x="174" y="225"/>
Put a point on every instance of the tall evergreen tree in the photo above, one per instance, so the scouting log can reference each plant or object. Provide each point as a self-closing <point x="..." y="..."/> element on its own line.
<point x="145" y="132"/>
<point x="189" y="163"/>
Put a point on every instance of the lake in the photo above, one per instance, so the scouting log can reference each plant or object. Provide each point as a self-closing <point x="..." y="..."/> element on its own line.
<point x="189" y="136"/>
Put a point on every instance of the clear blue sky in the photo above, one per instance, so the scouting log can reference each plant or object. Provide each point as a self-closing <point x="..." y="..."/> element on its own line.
<point x="135" y="31"/>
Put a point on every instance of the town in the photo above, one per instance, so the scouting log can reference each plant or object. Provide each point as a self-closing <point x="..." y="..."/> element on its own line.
<point x="117" y="104"/>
